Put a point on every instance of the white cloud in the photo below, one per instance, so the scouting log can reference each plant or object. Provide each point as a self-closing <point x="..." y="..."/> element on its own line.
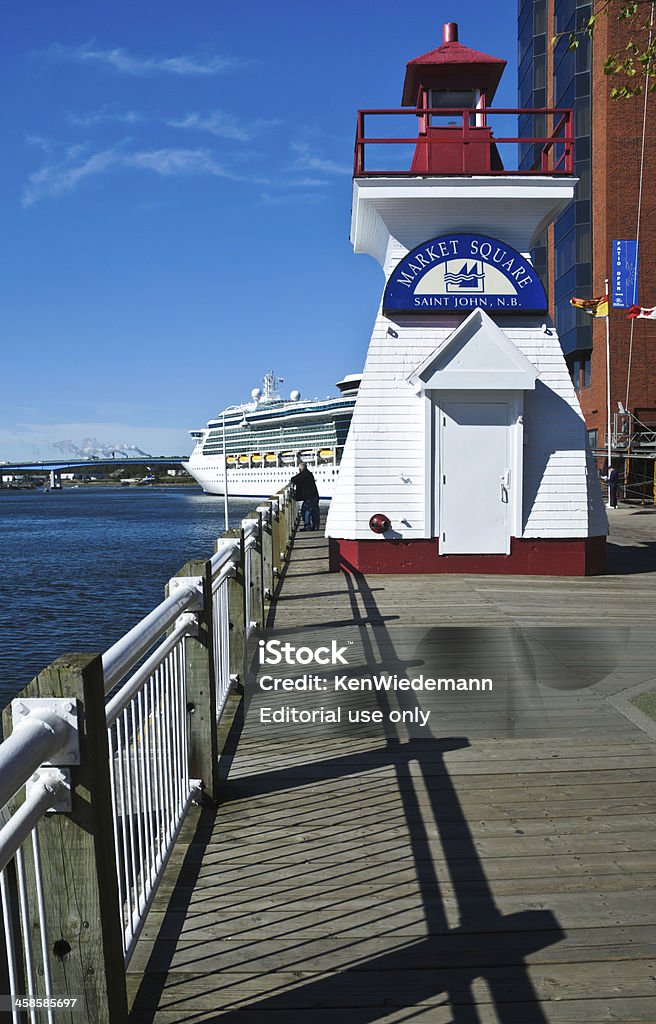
<point x="58" y="178"/>
<point x="307" y="159"/>
<point x="278" y="199"/>
<point x="104" y="116"/>
<point x="133" y="64"/>
<point x="55" y="179"/>
<point x="307" y="183"/>
<point x="225" y="126"/>
<point x="176" y="162"/>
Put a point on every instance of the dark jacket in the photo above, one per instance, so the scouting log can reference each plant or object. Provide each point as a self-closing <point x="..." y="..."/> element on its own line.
<point x="305" y="488"/>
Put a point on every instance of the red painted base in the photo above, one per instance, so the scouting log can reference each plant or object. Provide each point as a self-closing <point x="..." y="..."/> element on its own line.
<point x="578" y="556"/>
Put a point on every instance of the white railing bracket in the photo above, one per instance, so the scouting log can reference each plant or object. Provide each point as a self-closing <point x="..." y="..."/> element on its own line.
<point x="56" y="781"/>
<point x="42" y="708"/>
<point x="191" y="583"/>
<point x="188" y="620"/>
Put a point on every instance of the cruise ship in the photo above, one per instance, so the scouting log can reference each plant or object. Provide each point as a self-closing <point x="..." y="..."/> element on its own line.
<point x="252" y="450"/>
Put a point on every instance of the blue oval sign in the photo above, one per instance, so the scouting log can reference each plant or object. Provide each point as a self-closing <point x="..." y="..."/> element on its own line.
<point x="454" y="273"/>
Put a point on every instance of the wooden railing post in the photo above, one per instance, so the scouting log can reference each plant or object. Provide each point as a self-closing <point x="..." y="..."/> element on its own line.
<point x="201" y="686"/>
<point x="293" y="516"/>
<point x="275" y="540"/>
<point x="284" y="524"/>
<point x="258" y="610"/>
<point x="77" y="862"/>
<point x="237" y="613"/>
<point x="267" y="550"/>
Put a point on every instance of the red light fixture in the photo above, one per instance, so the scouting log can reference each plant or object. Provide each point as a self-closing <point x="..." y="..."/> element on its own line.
<point x="380" y="523"/>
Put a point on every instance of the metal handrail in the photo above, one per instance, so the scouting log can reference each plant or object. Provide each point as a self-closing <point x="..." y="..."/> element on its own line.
<point x="126" y="652"/>
<point x="43" y="796"/>
<point x="561" y="135"/>
<point x="122" y="698"/>
<point x="226" y="551"/>
<point x="228" y="572"/>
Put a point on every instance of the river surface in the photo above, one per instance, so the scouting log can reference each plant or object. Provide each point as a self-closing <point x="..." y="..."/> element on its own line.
<point x="80" y="566"/>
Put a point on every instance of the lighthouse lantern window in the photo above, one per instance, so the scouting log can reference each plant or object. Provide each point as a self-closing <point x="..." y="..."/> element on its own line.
<point x="458" y="99"/>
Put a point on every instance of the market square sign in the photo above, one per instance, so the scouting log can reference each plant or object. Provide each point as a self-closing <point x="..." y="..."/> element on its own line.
<point x="455" y="273"/>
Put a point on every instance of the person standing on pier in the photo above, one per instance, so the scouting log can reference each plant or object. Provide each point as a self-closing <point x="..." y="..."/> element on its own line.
<point x="305" y="490"/>
<point x="613" y="480"/>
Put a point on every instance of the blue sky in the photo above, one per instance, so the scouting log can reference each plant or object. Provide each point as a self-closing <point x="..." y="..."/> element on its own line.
<point x="175" y="189"/>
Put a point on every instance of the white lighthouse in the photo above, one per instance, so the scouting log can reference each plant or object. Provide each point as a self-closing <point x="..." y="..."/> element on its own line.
<point x="467" y="448"/>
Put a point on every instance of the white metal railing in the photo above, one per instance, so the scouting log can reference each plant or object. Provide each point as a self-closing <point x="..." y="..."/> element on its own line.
<point x="147" y="726"/>
<point x="126" y="652"/>
<point x="43" y="731"/>
<point x="149" y="720"/>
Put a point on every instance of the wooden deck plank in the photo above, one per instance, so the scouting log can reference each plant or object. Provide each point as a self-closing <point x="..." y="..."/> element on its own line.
<point x="503" y="861"/>
<point x="386" y="985"/>
<point x="592" y="1011"/>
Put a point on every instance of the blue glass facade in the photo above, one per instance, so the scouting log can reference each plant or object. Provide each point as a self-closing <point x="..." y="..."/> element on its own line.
<point x="572" y="267"/>
<point x="532" y="62"/>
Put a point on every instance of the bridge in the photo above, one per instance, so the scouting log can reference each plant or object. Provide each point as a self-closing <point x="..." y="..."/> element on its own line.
<point x="446" y="856"/>
<point x="53" y="468"/>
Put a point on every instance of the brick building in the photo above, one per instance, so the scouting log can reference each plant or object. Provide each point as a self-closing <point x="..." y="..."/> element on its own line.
<point x="574" y="256"/>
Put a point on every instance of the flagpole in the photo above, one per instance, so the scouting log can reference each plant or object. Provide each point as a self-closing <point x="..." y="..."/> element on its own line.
<point x="608" y="437"/>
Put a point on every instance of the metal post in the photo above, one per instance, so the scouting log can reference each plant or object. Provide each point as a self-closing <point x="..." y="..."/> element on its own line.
<point x="74" y="881"/>
<point x="608" y="435"/>
<point x="225" y="475"/>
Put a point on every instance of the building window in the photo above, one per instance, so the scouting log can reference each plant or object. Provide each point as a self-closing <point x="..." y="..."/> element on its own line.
<point x="593" y="439"/>
<point x="575" y="372"/>
<point x="585" y="371"/>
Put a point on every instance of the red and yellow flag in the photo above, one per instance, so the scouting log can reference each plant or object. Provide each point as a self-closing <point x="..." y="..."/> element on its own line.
<point x="595" y="307"/>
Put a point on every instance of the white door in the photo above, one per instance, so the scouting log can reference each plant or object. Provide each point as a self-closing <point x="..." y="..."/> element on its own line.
<point x="474" y="491"/>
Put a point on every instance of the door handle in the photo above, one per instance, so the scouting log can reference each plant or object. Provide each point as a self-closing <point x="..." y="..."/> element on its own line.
<point x="504" y="481"/>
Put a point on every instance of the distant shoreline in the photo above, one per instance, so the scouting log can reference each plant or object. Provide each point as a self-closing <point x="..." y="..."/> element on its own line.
<point x="69" y="485"/>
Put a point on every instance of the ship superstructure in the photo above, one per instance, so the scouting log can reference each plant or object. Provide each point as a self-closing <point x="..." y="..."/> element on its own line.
<point x="253" y="449"/>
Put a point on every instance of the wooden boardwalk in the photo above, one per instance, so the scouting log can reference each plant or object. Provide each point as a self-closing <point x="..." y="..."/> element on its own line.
<point x="495" y="865"/>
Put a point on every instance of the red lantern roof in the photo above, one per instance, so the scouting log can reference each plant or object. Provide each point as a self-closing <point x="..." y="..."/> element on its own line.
<point x="452" y="66"/>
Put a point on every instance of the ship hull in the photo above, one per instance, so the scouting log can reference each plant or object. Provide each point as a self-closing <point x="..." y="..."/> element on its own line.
<point x="256" y="483"/>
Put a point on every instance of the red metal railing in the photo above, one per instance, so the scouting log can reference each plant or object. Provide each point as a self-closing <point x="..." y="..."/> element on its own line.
<point x="555" y="155"/>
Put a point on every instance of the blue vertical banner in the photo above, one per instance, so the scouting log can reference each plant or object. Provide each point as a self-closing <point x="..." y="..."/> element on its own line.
<point x="624" y="284"/>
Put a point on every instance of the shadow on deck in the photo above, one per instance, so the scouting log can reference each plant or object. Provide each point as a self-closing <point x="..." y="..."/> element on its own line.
<point x="491" y="865"/>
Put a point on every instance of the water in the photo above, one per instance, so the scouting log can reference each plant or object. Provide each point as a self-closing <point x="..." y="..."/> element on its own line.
<point x="81" y="566"/>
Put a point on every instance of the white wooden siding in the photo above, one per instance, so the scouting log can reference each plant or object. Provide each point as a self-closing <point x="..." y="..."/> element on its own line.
<point x="383" y="467"/>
